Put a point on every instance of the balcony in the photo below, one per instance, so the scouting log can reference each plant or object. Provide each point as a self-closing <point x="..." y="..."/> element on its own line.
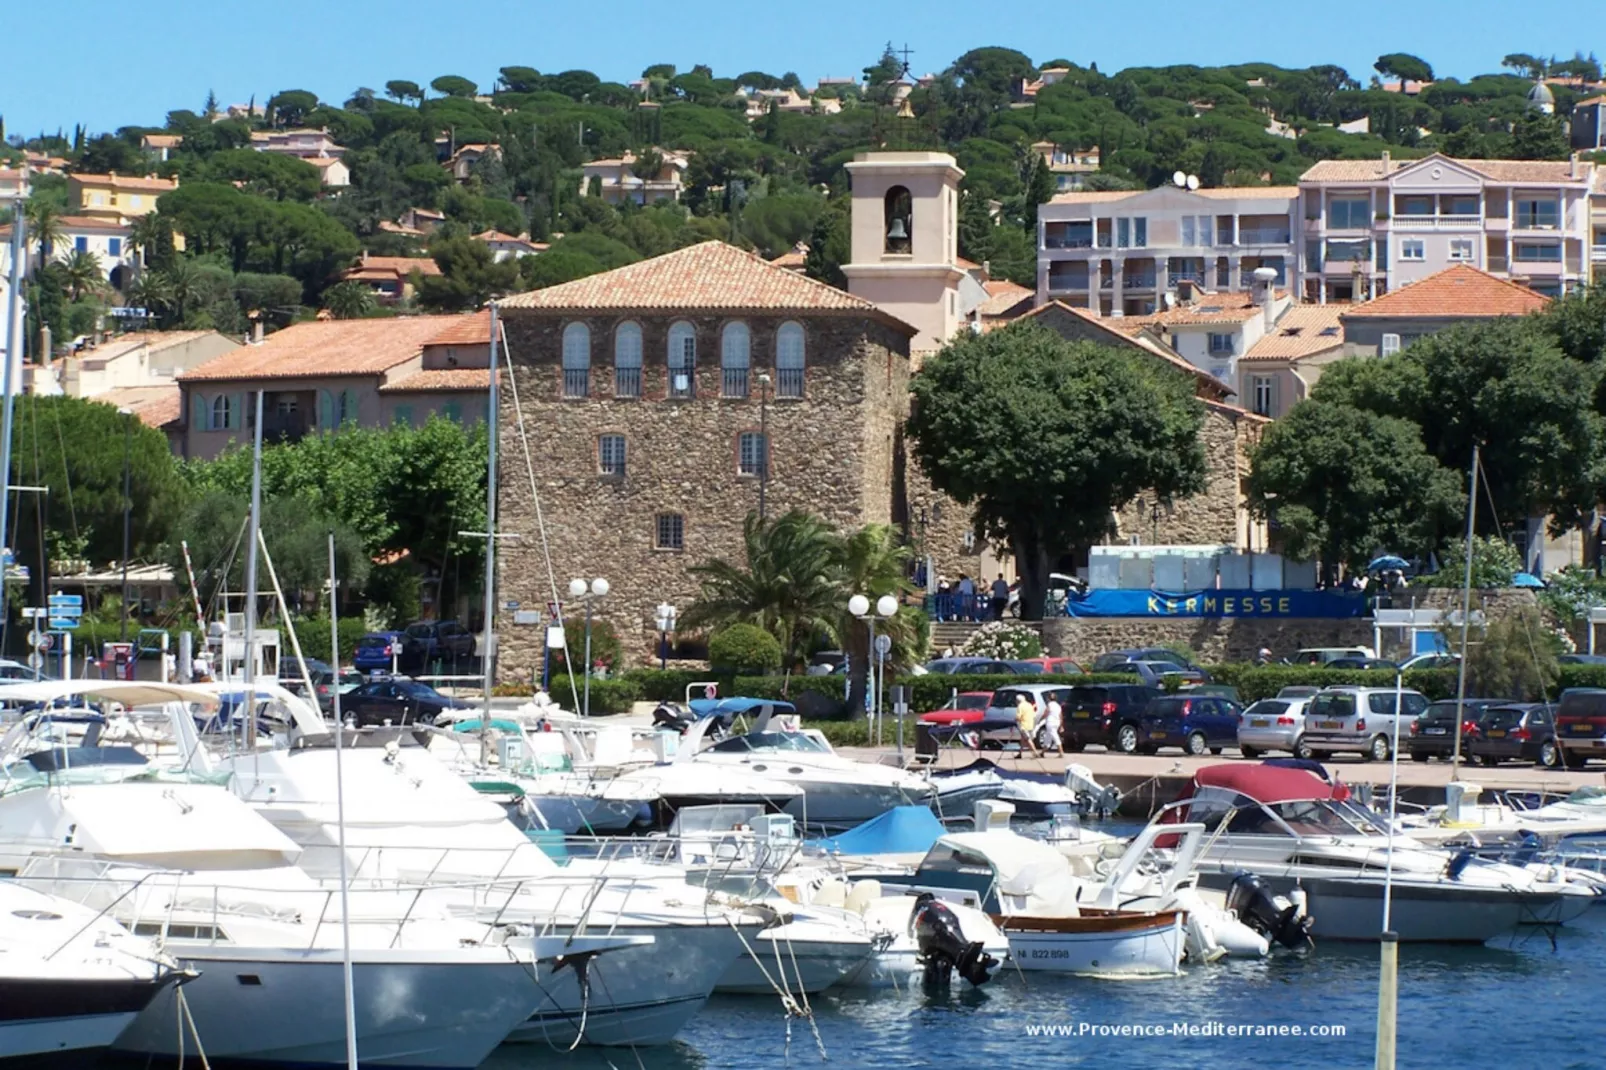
<point x="1195" y="277"/>
<point x="1438" y="222"/>
<point x="1264" y="236"/>
<point x="1059" y="281"/>
<point x="1597" y="253"/>
<point x="1066" y="240"/>
<point x="1143" y="281"/>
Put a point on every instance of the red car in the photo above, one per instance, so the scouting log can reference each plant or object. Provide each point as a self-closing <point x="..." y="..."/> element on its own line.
<point x="965" y="708"/>
<point x="1057" y="666"/>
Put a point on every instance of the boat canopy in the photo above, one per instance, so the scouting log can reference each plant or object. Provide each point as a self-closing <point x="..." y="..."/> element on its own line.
<point x="901" y="830"/>
<point x="1265" y="783"/>
<point x="735" y="706"/>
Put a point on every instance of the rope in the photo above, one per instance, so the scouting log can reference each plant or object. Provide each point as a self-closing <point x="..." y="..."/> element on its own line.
<point x="535" y="497"/>
<point x="186" y="1016"/>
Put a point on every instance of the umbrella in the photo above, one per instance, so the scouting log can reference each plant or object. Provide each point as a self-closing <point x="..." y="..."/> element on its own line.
<point x="1388" y="563"/>
<point x="1526" y="579"/>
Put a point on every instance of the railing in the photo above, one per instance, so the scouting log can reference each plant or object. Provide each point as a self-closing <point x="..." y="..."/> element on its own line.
<point x="682" y="382"/>
<point x="1067" y="282"/>
<point x="1196" y="277"/>
<point x="788" y="382"/>
<point x="576" y="382"/>
<point x="733" y="383"/>
<point x="627" y="382"/>
<point x="1138" y="282"/>
<point x="1597" y="252"/>
<point x="1263" y="236"/>
<point x="950" y="605"/>
<point x="1061" y="241"/>
<point x="1438" y="222"/>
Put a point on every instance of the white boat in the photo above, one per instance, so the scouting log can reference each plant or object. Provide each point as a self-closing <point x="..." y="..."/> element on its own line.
<point x="71" y="980"/>
<point x="1468" y="818"/>
<point x="1294" y="830"/>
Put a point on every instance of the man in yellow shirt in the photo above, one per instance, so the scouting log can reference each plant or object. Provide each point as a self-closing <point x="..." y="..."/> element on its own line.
<point x="1026" y="722"/>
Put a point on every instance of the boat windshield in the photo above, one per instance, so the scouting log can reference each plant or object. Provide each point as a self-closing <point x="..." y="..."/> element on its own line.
<point x="769" y="741"/>
<point x="1306" y="817"/>
<point x="1588" y="796"/>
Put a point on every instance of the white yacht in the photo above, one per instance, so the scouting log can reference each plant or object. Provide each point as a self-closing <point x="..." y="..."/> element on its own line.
<point x="71" y="979"/>
<point x="1294" y="830"/>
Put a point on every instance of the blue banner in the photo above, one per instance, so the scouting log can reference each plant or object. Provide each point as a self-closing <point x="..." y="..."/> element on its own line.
<point x="1129" y="603"/>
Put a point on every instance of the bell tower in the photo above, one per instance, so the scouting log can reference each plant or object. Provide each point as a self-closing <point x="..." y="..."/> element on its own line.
<point x="905" y="243"/>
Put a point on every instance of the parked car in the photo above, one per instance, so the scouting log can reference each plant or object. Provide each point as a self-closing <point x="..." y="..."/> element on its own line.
<point x="827" y="663"/>
<point x="1432" y="735"/>
<point x="1298" y="691"/>
<point x="1581" y="659"/>
<point x="1361" y="663"/>
<point x="397" y="700"/>
<point x="1521" y="731"/>
<point x="1581" y="725"/>
<point x="1321" y="655"/>
<point x="427" y="642"/>
<point x="1218" y="690"/>
<point x="15" y="671"/>
<point x="1106" y="715"/>
<point x="966" y="707"/>
<point x="378" y="652"/>
<point x="981" y="667"/>
<point x="1103" y="662"/>
<point x="1194" y="724"/>
<point x="1274" y="724"/>
<point x="1360" y="720"/>
<point x="294" y="680"/>
<point x="1153" y="673"/>
<point x="1056" y="666"/>
<point x="1431" y="661"/>
<point x="998" y="726"/>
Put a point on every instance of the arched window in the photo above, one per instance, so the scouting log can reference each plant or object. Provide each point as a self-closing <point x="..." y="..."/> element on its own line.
<point x="627" y="360"/>
<point x="682" y="360"/>
<point x="576" y="360"/>
<point x="735" y="355"/>
<point x="789" y="361"/>
<point x="223" y="412"/>
<point x="899" y="209"/>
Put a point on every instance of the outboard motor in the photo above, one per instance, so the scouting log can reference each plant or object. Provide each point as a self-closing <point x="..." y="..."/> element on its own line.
<point x="1092" y="798"/>
<point x="1272" y="916"/>
<point x="943" y="947"/>
<point x="671" y="717"/>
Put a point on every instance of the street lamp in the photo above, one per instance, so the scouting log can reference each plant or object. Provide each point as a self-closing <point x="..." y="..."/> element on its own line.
<point x="128" y="509"/>
<point x="666" y="624"/>
<point x="580" y="590"/>
<point x="763" y="438"/>
<point x="885" y="607"/>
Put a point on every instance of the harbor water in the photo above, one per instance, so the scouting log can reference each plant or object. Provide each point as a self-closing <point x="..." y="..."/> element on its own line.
<point x="1514" y="1003"/>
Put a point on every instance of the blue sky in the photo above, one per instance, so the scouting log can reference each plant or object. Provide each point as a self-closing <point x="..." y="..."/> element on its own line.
<point x="69" y="63"/>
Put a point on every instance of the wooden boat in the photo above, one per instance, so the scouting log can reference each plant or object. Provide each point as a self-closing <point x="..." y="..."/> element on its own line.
<point x="1098" y="943"/>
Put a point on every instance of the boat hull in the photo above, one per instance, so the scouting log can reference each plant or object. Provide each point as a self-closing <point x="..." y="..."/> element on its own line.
<point x="1098" y="945"/>
<point x="827" y="804"/>
<point x="275" y="1006"/>
<point x="44" y="1017"/>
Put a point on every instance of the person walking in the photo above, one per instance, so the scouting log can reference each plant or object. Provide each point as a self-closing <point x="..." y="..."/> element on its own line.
<point x="1053" y="727"/>
<point x="967" y="598"/>
<point x="1026" y="723"/>
<point x="1000" y="597"/>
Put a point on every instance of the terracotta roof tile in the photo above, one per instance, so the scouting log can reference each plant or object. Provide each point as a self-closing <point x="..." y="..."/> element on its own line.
<point x="1003" y="295"/>
<point x="326" y="347"/>
<point x="1094" y="196"/>
<point x="1303" y="331"/>
<point x="711" y="275"/>
<point x="467" y="330"/>
<point x="441" y="380"/>
<point x="1543" y="171"/>
<point x="89" y="222"/>
<point x="137" y="183"/>
<point x="377" y="267"/>
<point x="1236" y="307"/>
<point x="1459" y="292"/>
<point x="156" y="406"/>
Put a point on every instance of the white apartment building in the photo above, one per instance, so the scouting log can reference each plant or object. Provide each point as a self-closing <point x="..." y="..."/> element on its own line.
<point x="1371" y="226"/>
<point x="1123" y="253"/>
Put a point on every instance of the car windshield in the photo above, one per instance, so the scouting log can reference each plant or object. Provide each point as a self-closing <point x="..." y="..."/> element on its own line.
<point x="418" y="690"/>
<point x="419" y="631"/>
<point x="972" y="702"/>
<point x="1501" y="717"/>
<point x="371" y="641"/>
<point x="1267" y="707"/>
<point x="1307" y="817"/>
<point x="1444" y="712"/>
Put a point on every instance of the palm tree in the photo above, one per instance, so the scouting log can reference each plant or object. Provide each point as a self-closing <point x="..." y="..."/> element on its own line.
<point x="44" y="226"/>
<point x="184" y="287"/>
<point x="83" y="273"/>
<point x="151" y="291"/>
<point x="148" y="233"/>
<point x="873" y="561"/>
<point x="789" y="585"/>
<point x="349" y="300"/>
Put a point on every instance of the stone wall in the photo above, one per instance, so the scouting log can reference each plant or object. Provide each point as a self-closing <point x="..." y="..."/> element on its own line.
<point x="833" y="452"/>
<point x="1214" y="638"/>
<point x="1214" y="517"/>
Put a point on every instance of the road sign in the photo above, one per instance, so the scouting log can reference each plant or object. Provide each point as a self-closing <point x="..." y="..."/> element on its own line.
<point x="33" y="612"/>
<point x="64" y="624"/>
<point x="46" y="642"/>
<point x="67" y="601"/>
<point x="883" y="645"/>
<point x="711" y="691"/>
<point x="34" y="636"/>
<point x="36" y="660"/>
<point x="510" y="605"/>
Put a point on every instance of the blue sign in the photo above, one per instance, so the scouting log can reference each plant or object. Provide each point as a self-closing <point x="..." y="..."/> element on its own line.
<point x="1213" y="603"/>
<point x="63" y="624"/>
<point x="72" y="602"/>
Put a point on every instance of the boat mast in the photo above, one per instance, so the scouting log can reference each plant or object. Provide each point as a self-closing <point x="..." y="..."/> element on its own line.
<point x="490" y="545"/>
<point x="340" y="814"/>
<point x="1466" y="621"/>
<point x="14" y="333"/>
<point x="251" y="580"/>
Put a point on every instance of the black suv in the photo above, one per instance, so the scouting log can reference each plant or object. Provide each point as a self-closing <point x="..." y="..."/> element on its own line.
<point x="1106" y="714"/>
<point x="1433" y="733"/>
<point x="1524" y="731"/>
<point x="426" y="642"/>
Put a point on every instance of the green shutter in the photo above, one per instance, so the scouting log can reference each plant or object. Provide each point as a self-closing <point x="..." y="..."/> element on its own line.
<point x="198" y="413"/>
<point x="453" y="412"/>
<point x="403" y="416"/>
<point x="326" y="410"/>
<point x="236" y="412"/>
<point x="348" y="406"/>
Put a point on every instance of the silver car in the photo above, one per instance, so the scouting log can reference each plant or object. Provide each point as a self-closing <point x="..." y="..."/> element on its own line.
<point x="1274" y="724"/>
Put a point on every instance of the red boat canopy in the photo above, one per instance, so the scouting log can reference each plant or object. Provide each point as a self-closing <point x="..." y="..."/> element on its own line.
<point x="1266" y="783"/>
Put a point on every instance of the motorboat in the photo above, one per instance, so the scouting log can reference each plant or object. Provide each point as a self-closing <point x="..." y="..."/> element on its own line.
<point x="837" y="792"/>
<point x="959" y="790"/>
<point x="1467" y="817"/>
<point x="1034" y="796"/>
<point x="71" y="979"/>
<point x="1305" y="837"/>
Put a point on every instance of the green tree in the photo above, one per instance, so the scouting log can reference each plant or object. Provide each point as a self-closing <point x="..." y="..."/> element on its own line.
<point x="83" y="273"/>
<point x="402" y="90"/>
<point x="1044" y="439"/>
<point x="470" y="276"/>
<point x="42" y="217"/>
<point x="1539" y="137"/>
<point x="520" y="79"/>
<point x="1513" y="654"/>
<point x="108" y="152"/>
<point x="1343" y="484"/>
<point x="349" y="300"/>
<point x="874" y="561"/>
<point x="776" y="223"/>
<point x="1494" y="562"/>
<point x="1531" y="67"/>
<point x="265" y="174"/>
<point x="745" y="649"/>
<point x="1404" y="66"/>
<point x="454" y="85"/>
<point x="291" y="107"/>
<point x="829" y="246"/>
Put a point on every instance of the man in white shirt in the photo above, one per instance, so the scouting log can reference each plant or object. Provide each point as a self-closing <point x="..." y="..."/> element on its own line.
<point x="1053" y="721"/>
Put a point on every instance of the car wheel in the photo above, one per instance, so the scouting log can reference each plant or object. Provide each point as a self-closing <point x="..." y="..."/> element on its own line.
<point x="1573" y="761"/>
<point x="1549" y="754"/>
<point x="1379" y="750"/>
<point x="1248" y="752"/>
<point x="1418" y="756"/>
<point x="1196" y="743"/>
<point x="1302" y="750"/>
<point x="1126" y="739"/>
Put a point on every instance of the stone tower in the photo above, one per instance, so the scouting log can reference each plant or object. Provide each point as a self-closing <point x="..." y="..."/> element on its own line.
<point x="905" y="247"/>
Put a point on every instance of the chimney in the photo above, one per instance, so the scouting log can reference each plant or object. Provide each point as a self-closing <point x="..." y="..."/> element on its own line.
<point x="1385" y="163"/>
<point x="1572" y="170"/>
<point x="1185" y="292"/>
<point x="1266" y="293"/>
<point x="256" y="333"/>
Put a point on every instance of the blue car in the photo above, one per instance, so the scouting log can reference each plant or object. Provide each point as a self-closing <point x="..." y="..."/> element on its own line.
<point x="376" y="651"/>
<point x="1195" y="723"/>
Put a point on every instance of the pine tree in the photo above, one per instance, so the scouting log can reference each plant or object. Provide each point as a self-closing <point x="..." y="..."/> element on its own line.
<point x="209" y="109"/>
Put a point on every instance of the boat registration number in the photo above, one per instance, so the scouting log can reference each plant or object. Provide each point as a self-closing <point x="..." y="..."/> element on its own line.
<point x="1260" y="722"/>
<point x="1049" y="953"/>
<point x="1082" y="715"/>
<point x="1497" y="733"/>
<point x="1156" y="735"/>
<point x="1329" y="724"/>
<point x="1436" y="731"/>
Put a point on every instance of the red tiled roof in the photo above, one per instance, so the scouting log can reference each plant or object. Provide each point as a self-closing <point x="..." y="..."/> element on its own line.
<point x="398" y="267"/>
<point x="1460" y="292"/>
<point x="471" y="329"/>
<point x="1236" y="307"/>
<point x="89" y="222"/>
<point x="1303" y="330"/>
<point x="128" y="182"/>
<point x="441" y="380"/>
<point x="711" y="275"/>
<point x="156" y="406"/>
<point x="326" y="348"/>
<point x="1209" y="384"/>
<point x="1003" y="295"/>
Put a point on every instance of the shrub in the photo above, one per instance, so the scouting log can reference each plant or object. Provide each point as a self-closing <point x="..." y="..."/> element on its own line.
<point x="1003" y="639"/>
<point x="314" y="635"/>
<point x="605" y="648"/>
<point x="611" y="695"/>
<point x="744" y="648"/>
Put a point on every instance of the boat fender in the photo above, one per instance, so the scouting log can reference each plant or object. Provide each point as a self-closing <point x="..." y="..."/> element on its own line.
<point x="1298" y="900"/>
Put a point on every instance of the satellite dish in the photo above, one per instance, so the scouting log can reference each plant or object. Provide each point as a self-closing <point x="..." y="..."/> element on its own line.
<point x="1179" y="179"/>
<point x="1193" y="181"/>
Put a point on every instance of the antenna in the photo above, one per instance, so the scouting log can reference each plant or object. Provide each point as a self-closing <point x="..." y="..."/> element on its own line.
<point x="1179" y="179"/>
<point x="1193" y="181"/>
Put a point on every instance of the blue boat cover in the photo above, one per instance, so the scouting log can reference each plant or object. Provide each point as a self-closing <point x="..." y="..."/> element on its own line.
<point x="729" y="707"/>
<point x="497" y="725"/>
<point x="901" y="830"/>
